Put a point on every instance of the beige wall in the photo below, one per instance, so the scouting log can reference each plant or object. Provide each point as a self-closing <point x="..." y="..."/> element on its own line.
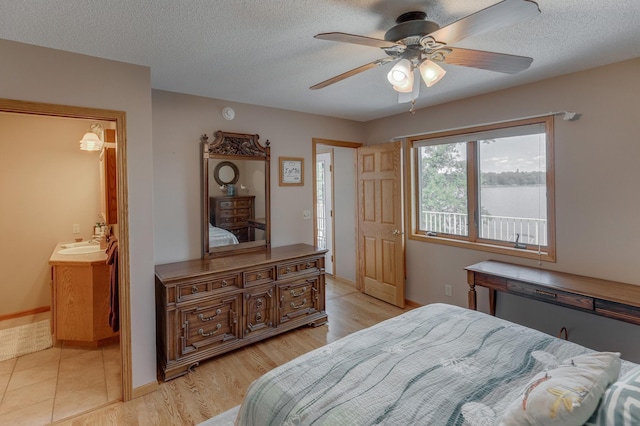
<point x="179" y="121"/>
<point x="46" y="185"/>
<point x="344" y="223"/>
<point x="597" y="202"/>
<point x="32" y="73"/>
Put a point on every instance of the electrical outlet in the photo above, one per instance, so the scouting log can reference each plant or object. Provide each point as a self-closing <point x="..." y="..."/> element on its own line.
<point x="306" y="214"/>
<point x="448" y="290"/>
<point x="76" y="228"/>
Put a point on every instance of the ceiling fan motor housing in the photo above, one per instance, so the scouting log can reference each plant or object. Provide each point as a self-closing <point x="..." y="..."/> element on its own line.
<point x="410" y="28"/>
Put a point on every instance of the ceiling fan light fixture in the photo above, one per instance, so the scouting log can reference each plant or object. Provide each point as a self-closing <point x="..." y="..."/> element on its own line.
<point x="400" y="73"/>
<point x="407" y="87"/>
<point x="431" y="72"/>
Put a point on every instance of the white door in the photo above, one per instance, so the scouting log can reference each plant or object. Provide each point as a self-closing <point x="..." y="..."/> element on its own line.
<point x="324" y="206"/>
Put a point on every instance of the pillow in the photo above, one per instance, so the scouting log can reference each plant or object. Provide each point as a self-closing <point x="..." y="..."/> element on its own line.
<point x="566" y="395"/>
<point x="620" y="404"/>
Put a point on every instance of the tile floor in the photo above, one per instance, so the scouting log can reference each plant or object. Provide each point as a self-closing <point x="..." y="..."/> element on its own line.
<point x="49" y="385"/>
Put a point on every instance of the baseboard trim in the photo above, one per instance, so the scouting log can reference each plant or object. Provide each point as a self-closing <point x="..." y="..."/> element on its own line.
<point x="25" y="313"/>
<point x="411" y="304"/>
<point x="342" y="280"/>
<point x="144" y="390"/>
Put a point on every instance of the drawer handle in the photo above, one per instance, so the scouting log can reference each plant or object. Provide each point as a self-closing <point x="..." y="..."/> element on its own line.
<point x="203" y="334"/>
<point x="303" y="291"/>
<point x="258" y="317"/>
<point x="203" y="319"/>
<point x="223" y="283"/>
<point x="258" y="303"/>
<point x="288" y="269"/>
<point x="293" y="305"/>
<point x="546" y="293"/>
<point x="194" y="289"/>
<point x="308" y="265"/>
<point x="259" y="275"/>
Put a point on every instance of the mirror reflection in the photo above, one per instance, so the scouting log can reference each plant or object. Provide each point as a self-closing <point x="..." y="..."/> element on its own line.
<point x="235" y="194"/>
<point x="225" y="173"/>
<point x="236" y="202"/>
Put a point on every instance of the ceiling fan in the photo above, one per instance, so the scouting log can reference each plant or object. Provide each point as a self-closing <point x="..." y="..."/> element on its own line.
<point x="416" y="44"/>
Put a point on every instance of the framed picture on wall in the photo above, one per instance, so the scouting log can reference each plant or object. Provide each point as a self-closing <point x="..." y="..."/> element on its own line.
<point x="291" y="171"/>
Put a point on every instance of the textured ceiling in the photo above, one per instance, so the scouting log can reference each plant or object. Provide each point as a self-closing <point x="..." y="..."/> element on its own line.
<point x="263" y="52"/>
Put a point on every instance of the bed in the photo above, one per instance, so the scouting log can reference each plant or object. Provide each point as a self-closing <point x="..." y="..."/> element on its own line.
<point x="444" y="365"/>
<point x="220" y="237"/>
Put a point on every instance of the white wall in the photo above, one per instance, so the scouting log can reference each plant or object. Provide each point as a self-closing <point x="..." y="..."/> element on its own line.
<point x="32" y="73"/>
<point x="597" y="201"/>
<point x="179" y="121"/>
<point x="46" y="185"/>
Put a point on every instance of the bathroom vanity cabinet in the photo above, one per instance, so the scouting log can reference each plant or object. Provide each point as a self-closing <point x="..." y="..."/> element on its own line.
<point x="81" y="298"/>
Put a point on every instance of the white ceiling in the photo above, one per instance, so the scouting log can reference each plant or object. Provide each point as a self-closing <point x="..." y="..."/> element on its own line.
<point x="263" y="52"/>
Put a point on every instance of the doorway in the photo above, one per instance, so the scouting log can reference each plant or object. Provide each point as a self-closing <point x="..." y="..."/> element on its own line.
<point x="324" y="206"/>
<point x="118" y="118"/>
<point x="334" y="213"/>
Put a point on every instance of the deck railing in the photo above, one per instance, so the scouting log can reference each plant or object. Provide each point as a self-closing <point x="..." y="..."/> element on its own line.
<point x="501" y="228"/>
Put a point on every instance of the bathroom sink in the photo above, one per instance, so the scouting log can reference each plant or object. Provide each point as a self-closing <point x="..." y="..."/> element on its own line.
<point x="81" y="250"/>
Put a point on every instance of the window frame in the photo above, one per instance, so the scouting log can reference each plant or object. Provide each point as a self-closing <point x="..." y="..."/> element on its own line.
<point x="473" y="241"/>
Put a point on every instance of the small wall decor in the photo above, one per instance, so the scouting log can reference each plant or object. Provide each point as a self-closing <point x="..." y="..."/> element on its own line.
<point x="291" y="171"/>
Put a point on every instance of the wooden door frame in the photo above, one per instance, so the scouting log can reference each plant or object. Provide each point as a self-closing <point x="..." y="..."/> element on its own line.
<point x="119" y="117"/>
<point x="333" y="143"/>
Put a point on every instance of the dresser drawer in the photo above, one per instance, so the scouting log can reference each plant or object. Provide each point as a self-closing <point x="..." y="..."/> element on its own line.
<point x="194" y="290"/>
<point x="258" y="276"/>
<point x="306" y="266"/>
<point x="259" y="309"/>
<point x="550" y="295"/>
<point x="233" y="204"/>
<point x="209" y="324"/>
<point x="490" y="281"/>
<point x="298" y="298"/>
<point x="234" y="214"/>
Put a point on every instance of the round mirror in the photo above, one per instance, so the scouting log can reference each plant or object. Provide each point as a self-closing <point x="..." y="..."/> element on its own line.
<point x="226" y="173"/>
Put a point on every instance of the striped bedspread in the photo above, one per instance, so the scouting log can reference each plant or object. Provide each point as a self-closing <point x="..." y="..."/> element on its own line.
<point x="436" y="365"/>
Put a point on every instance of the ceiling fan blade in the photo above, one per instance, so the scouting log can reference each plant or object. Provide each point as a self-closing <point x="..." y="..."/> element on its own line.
<point x="507" y="12"/>
<point x="357" y="39"/>
<point x="352" y="72"/>
<point x="492" y="61"/>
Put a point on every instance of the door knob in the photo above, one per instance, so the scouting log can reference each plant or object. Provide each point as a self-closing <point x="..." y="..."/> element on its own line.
<point x="397" y="232"/>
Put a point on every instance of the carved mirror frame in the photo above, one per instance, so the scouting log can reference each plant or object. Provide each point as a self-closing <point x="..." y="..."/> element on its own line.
<point x="234" y="146"/>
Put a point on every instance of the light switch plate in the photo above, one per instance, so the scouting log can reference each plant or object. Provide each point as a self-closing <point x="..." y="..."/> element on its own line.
<point x="76" y="228"/>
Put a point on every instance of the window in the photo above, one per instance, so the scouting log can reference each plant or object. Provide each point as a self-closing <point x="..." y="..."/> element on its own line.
<point x="488" y="188"/>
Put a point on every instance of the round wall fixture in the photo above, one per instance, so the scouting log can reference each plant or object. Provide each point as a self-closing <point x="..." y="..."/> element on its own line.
<point x="228" y="113"/>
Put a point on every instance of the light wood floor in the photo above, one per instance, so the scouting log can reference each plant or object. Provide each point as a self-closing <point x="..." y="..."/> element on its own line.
<point x="220" y="383"/>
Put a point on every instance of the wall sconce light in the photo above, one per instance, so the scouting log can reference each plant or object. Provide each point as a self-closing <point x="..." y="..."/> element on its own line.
<point x="93" y="140"/>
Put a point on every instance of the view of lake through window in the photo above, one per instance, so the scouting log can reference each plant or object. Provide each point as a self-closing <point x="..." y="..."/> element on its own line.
<point x="511" y="188"/>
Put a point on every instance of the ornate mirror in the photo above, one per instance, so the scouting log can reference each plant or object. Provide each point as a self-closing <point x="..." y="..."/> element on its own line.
<point x="235" y="194"/>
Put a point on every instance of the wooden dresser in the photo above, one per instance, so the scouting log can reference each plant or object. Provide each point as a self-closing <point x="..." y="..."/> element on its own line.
<point x="207" y="307"/>
<point x="233" y="214"/>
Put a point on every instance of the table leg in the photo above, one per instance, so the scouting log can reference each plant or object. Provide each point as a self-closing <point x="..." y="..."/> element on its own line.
<point x="472" y="297"/>
<point x="492" y="302"/>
